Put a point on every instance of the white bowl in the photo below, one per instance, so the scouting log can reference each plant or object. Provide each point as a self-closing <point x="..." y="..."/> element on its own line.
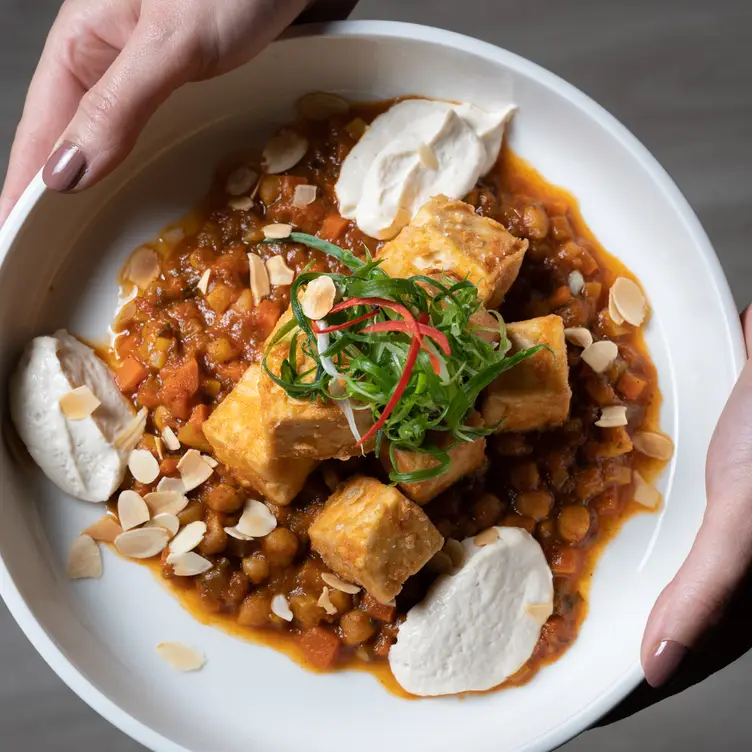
<point x="60" y="257"/>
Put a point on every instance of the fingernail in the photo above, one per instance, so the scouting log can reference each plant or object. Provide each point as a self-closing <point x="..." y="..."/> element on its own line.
<point x="65" y="167"/>
<point x="664" y="662"/>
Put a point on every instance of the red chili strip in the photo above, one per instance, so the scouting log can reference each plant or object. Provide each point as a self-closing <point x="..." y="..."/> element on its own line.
<point x="382" y="303"/>
<point x="346" y="325"/>
<point x="403" y="326"/>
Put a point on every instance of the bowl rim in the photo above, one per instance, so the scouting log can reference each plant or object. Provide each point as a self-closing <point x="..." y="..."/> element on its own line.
<point x="45" y="644"/>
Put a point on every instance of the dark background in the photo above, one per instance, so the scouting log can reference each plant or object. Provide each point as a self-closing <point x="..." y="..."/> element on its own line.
<point x="678" y="73"/>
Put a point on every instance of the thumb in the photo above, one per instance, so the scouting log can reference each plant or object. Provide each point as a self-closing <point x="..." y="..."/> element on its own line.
<point x="721" y="555"/>
<point x="111" y="115"/>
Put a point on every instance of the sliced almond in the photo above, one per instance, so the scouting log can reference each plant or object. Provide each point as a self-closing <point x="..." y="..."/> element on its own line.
<point x="194" y="470"/>
<point x="241" y="180"/>
<point x="326" y="602"/>
<point x="129" y="436"/>
<point x="629" y="300"/>
<point x="79" y="403"/>
<point x="644" y="493"/>
<point x="143" y="542"/>
<point x="188" y="538"/>
<point x="487" y="537"/>
<point x="84" y="559"/>
<point x="168" y="522"/>
<point x="159" y="447"/>
<point x="283" y="152"/>
<point x="357" y="128"/>
<point x="579" y="336"/>
<point x="171" y="485"/>
<point x="260" y="285"/>
<point x="616" y="317"/>
<point x="456" y="551"/>
<point x="166" y="502"/>
<point x="655" y="445"/>
<point x="539" y="612"/>
<point x="104" y="530"/>
<point x="280" y="274"/>
<point x="277" y="231"/>
<point x="257" y="520"/>
<point x="143" y="466"/>
<point x="440" y="563"/>
<point x="241" y="203"/>
<point x="600" y="355"/>
<point x="180" y="656"/>
<point x="612" y="417"/>
<point x="322" y="105"/>
<point x="132" y="510"/>
<point x="334" y="582"/>
<point x="428" y="157"/>
<point x="143" y="268"/>
<point x="233" y="532"/>
<point x="576" y="282"/>
<point x="203" y="283"/>
<point x="188" y="564"/>
<point x="318" y="298"/>
<point x="304" y="195"/>
<point x="170" y="439"/>
<point x="281" y="608"/>
<point x="173" y="235"/>
<point x="209" y="460"/>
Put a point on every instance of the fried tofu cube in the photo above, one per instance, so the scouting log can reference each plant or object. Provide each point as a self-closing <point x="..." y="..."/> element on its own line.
<point x="535" y="394"/>
<point x="447" y="236"/>
<point x="240" y="439"/>
<point x="300" y="428"/>
<point x="371" y="534"/>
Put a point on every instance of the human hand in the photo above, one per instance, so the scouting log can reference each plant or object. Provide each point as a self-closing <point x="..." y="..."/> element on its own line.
<point x="108" y="64"/>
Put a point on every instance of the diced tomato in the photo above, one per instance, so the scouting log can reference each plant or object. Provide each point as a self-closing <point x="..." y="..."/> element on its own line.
<point x="179" y="386"/>
<point x="377" y="610"/>
<point x="321" y="647"/>
<point x="130" y="375"/>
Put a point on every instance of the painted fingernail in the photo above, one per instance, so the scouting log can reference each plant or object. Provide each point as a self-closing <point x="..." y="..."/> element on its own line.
<point x="65" y="167"/>
<point x="664" y="662"/>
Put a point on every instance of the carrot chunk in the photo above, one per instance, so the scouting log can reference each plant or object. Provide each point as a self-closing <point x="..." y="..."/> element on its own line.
<point x="321" y="647"/>
<point x="130" y="375"/>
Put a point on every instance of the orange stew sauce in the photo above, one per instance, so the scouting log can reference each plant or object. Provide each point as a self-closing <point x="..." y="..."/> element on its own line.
<point x="180" y="352"/>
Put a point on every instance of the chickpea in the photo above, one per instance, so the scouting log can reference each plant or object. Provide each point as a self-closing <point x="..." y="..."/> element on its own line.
<point x="356" y="628"/>
<point x="223" y="498"/>
<point x="525" y="477"/>
<point x="487" y="510"/>
<point x="573" y="523"/>
<point x="215" y="538"/>
<point x="306" y="609"/>
<point x="237" y="589"/>
<point x="536" y="221"/>
<point x="255" y="611"/>
<point x="256" y="568"/>
<point x="194" y="512"/>
<point x="341" y="601"/>
<point x="280" y="546"/>
<point x="535" y="504"/>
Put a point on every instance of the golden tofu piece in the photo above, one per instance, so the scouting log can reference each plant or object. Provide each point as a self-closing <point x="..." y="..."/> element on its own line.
<point x="535" y="394"/>
<point x="301" y="428"/>
<point x="371" y="534"/>
<point x="240" y="439"/>
<point x="448" y="237"/>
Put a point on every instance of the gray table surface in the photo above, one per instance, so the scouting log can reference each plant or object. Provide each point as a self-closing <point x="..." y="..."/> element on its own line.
<point x="678" y="74"/>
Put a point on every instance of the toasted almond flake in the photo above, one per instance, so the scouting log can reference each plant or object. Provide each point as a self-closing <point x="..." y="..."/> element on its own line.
<point x="143" y="466"/>
<point x="143" y="542"/>
<point x="260" y="286"/>
<point x="612" y="416"/>
<point x="539" y="611"/>
<point x="143" y="267"/>
<point x="362" y="654"/>
<point x="188" y="538"/>
<point x="579" y="336"/>
<point x="440" y="563"/>
<point x="655" y="445"/>
<point x="325" y="602"/>
<point x="318" y="298"/>
<point x="283" y="152"/>
<point x="334" y="582"/>
<point x="257" y="520"/>
<point x="281" y="608"/>
<point x="181" y="657"/>
<point x="170" y="439"/>
<point x="104" y="530"/>
<point x="613" y="312"/>
<point x="600" y="355"/>
<point x="132" y="510"/>
<point x="168" y="522"/>
<point x="644" y="493"/>
<point x="331" y="478"/>
<point x="173" y="235"/>
<point x="279" y="272"/>
<point x="203" y="283"/>
<point x="209" y="460"/>
<point x="277" y="231"/>
<point x="304" y="195"/>
<point x="241" y="180"/>
<point x="357" y="128"/>
<point x="428" y="157"/>
<point x="84" y="559"/>
<point x="629" y="301"/>
<point x="166" y="502"/>
<point x="576" y="282"/>
<point x="188" y="564"/>
<point x="242" y="203"/>
<point x="456" y="552"/>
<point x="485" y="538"/>
<point x="159" y="446"/>
<point x="171" y="485"/>
<point x="233" y="532"/>
<point x="322" y="105"/>
<point x="131" y="434"/>
<point x="194" y="470"/>
<point x="79" y="403"/>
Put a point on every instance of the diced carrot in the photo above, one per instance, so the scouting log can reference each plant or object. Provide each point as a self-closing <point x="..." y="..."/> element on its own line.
<point x="179" y="386"/>
<point x="560" y="297"/>
<point x="566" y="561"/>
<point x="321" y="647"/>
<point x="265" y="317"/>
<point x="130" y="375"/>
<point x="200" y="414"/>
<point x="377" y="610"/>
<point x="631" y="386"/>
<point x="169" y="466"/>
<point x="333" y="227"/>
<point x="148" y="394"/>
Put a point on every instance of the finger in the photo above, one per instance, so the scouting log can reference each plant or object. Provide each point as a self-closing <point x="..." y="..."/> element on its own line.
<point x="720" y="557"/>
<point x="747" y="328"/>
<point x="327" y="10"/>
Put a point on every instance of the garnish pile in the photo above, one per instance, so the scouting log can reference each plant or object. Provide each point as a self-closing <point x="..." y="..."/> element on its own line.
<point x="405" y="349"/>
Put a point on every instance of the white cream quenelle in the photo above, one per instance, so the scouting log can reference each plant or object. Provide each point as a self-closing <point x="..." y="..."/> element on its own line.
<point x="479" y="626"/>
<point x="417" y="149"/>
<point x="79" y="456"/>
